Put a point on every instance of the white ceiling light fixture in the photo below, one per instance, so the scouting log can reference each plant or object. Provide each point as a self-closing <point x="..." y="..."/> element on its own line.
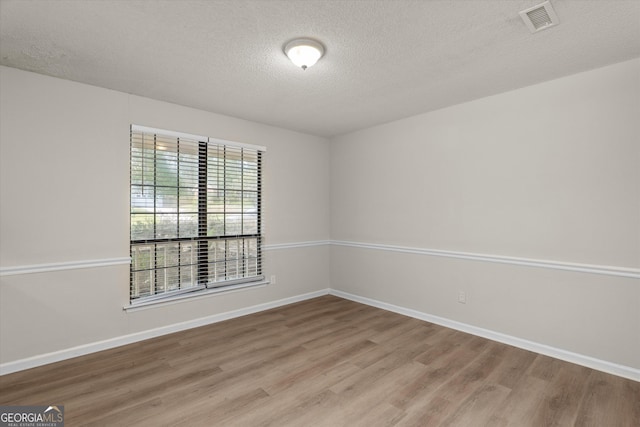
<point x="304" y="52"/>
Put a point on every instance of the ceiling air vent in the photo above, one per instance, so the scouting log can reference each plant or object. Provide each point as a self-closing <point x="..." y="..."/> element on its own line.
<point x="540" y="17"/>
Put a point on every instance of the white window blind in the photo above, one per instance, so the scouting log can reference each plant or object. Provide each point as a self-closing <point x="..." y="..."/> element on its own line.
<point x="195" y="213"/>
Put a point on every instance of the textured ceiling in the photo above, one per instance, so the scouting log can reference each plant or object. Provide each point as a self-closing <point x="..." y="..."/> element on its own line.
<point x="384" y="59"/>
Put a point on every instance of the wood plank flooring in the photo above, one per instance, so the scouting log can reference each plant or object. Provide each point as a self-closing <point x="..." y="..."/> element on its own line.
<point x="325" y="362"/>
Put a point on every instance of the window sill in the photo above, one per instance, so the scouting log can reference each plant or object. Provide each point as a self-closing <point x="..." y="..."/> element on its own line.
<point x="196" y="294"/>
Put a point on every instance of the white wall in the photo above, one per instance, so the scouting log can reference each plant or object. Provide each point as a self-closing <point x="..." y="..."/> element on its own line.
<point x="548" y="172"/>
<point x="65" y="198"/>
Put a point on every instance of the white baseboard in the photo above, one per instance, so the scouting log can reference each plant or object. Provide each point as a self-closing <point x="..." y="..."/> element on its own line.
<point x="56" y="356"/>
<point x="578" y="359"/>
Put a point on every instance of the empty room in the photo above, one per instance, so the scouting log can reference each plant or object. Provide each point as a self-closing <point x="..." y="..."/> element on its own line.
<point x="320" y="213"/>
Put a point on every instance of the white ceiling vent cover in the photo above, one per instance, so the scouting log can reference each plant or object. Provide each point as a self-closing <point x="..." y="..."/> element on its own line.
<point x="540" y="17"/>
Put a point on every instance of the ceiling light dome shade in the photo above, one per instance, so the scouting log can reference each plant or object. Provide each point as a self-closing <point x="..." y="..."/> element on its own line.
<point x="304" y="52"/>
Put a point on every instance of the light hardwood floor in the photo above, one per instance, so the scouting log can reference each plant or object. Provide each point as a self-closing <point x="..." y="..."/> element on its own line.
<point x="325" y="362"/>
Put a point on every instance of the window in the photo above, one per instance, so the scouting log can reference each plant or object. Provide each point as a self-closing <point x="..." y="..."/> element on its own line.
<point x="195" y="214"/>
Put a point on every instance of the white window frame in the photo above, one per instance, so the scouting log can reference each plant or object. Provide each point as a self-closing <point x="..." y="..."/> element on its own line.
<point x="214" y="251"/>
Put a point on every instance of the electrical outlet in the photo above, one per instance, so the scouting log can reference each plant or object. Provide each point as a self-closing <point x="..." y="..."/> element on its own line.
<point x="462" y="297"/>
<point x="273" y="279"/>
